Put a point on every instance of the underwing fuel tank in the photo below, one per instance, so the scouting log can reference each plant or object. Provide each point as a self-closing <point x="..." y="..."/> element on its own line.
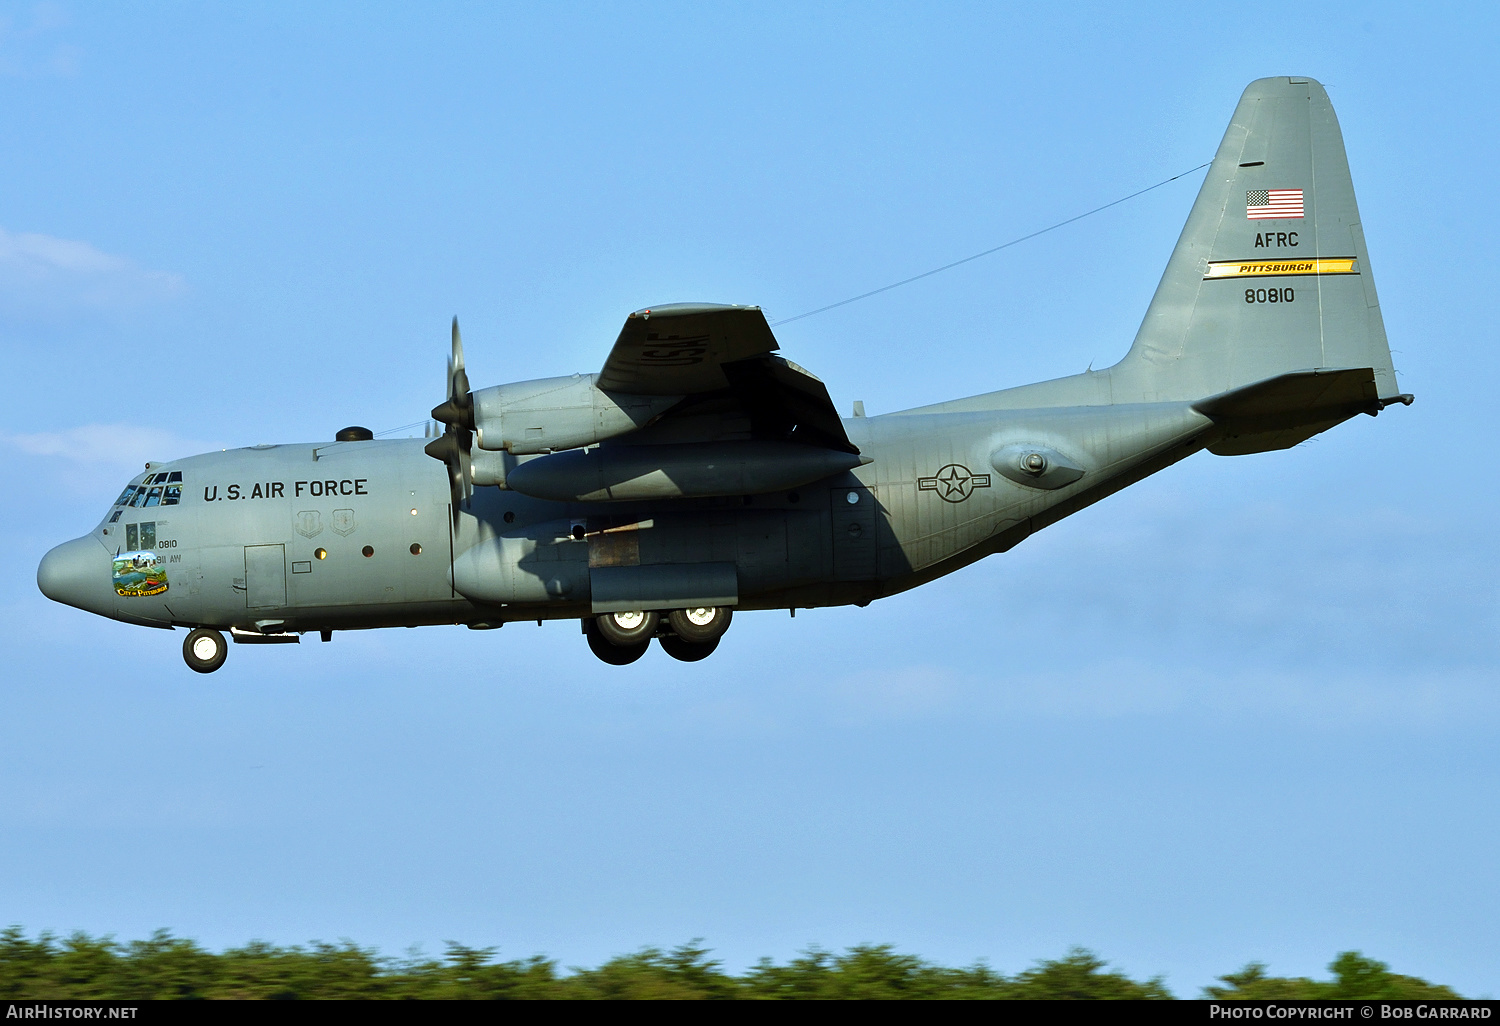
<point x="692" y="470"/>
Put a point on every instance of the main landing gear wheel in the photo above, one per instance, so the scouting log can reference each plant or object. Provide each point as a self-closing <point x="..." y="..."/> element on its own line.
<point x="629" y="628"/>
<point x="700" y="625"/>
<point x="687" y="651"/>
<point x="615" y="655"/>
<point x="204" y="650"/>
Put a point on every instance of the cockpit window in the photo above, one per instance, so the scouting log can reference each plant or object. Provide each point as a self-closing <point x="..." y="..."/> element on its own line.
<point x="159" y="489"/>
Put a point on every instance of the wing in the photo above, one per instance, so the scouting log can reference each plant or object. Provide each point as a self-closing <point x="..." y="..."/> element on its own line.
<point x="720" y="360"/>
<point x="679" y="349"/>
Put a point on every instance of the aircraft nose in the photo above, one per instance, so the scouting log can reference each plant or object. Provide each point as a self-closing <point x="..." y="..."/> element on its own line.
<point x="76" y="573"/>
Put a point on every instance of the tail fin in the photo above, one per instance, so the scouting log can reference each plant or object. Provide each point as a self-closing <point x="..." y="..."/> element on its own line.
<point x="1270" y="276"/>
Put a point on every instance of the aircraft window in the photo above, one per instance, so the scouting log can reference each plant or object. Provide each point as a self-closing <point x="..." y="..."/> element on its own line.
<point x="174" y="477"/>
<point x="125" y="495"/>
<point x="132" y="537"/>
<point x="140" y="496"/>
<point x="172" y="496"/>
<point x="116" y="515"/>
<point x="148" y="535"/>
<point x="153" y="498"/>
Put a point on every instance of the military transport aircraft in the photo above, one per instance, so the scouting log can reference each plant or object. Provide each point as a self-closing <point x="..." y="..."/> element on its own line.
<point x="698" y="473"/>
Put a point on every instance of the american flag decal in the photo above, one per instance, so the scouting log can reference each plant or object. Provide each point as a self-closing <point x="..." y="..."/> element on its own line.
<point x="1262" y="204"/>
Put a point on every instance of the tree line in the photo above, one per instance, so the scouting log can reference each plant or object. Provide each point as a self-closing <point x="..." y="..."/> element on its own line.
<point x="81" y="967"/>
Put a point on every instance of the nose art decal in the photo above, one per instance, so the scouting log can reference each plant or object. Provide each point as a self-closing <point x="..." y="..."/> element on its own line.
<point x="138" y="574"/>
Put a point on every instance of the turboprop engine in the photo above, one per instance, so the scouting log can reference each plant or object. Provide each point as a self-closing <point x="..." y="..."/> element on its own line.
<point x="551" y="414"/>
<point x="526" y="418"/>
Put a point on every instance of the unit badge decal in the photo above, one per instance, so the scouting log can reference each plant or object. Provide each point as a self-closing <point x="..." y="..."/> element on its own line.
<point x="309" y="523"/>
<point x="343" y="522"/>
<point x="954" y="483"/>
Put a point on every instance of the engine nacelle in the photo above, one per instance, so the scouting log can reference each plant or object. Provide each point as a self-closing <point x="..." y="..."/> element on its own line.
<point x="551" y="414"/>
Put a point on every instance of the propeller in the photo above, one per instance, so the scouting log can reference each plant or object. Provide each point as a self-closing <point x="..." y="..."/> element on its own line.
<point x="454" y="444"/>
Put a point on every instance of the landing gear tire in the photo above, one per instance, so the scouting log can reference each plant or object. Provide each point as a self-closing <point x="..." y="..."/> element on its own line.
<point x="700" y="625"/>
<point x="687" y="651"/>
<point x="204" y="650"/>
<point x="615" y="655"/>
<point x="627" y="629"/>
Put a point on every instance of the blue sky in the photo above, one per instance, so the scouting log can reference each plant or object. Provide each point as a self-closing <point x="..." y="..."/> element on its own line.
<point x="1245" y="710"/>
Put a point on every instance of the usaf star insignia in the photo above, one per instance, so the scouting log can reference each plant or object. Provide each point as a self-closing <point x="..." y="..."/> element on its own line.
<point x="954" y="483"/>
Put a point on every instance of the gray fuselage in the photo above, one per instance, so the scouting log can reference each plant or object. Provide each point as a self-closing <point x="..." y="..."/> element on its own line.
<point x="349" y="535"/>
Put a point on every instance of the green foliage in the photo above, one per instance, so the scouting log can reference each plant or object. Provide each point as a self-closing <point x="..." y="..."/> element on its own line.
<point x="81" y="967"/>
<point x="1079" y="977"/>
<point x="1354" y="977"/>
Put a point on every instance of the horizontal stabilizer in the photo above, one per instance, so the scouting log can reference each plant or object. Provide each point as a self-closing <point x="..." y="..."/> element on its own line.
<point x="1280" y="412"/>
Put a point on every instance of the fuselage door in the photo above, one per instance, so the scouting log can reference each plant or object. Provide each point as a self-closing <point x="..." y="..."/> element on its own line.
<point x="265" y="576"/>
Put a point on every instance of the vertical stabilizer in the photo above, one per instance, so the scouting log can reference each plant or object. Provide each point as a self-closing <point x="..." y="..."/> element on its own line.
<point x="1270" y="276"/>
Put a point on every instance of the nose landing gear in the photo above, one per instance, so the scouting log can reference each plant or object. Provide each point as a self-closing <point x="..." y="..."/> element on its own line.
<point x="204" y="650"/>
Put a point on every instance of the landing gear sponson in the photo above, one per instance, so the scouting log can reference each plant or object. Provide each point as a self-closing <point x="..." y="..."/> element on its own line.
<point x="685" y="634"/>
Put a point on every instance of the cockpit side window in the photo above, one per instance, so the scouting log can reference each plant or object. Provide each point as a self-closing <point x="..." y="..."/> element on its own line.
<point x="153" y="497"/>
<point x="125" y="495"/>
<point x="140" y="496"/>
<point x="173" y="495"/>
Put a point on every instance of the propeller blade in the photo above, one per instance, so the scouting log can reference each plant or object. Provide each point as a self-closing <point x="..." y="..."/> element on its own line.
<point x="457" y="413"/>
<point x="458" y="378"/>
<point x="458" y="410"/>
